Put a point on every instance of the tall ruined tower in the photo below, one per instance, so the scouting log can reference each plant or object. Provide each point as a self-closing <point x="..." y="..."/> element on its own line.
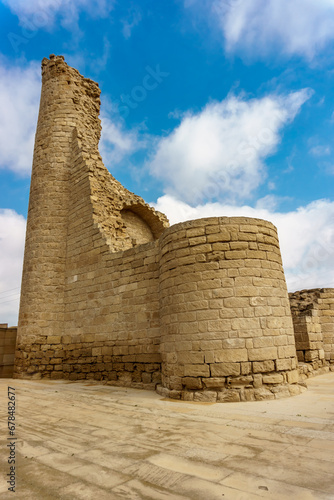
<point x="42" y="294"/>
<point x="74" y="202"/>
<point x="199" y="311"/>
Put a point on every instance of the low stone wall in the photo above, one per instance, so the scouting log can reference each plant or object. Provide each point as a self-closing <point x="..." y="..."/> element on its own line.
<point x="313" y="320"/>
<point x="7" y="350"/>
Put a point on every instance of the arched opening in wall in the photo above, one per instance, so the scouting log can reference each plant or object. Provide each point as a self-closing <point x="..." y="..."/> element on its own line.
<point x="136" y="228"/>
<point x="142" y="223"/>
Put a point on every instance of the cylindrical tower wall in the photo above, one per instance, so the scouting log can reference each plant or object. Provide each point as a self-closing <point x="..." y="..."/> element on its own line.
<point x="226" y="326"/>
<point x="63" y="107"/>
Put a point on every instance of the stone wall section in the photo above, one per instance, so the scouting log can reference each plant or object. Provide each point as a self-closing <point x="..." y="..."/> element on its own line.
<point x="79" y="216"/>
<point x="313" y="319"/>
<point x="7" y="350"/>
<point x="326" y="318"/>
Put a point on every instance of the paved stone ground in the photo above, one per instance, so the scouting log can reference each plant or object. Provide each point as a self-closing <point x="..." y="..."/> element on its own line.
<point x="93" y="441"/>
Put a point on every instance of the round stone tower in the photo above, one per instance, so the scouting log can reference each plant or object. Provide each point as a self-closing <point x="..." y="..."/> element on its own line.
<point x="68" y="101"/>
<point x="226" y="326"/>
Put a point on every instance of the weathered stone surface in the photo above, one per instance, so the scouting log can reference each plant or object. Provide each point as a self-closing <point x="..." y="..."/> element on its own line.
<point x="263" y="366"/>
<point x="275" y="378"/>
<point x="262" y="354"/>
<point x="225" y="369"/>
<point x="229" y="396"/>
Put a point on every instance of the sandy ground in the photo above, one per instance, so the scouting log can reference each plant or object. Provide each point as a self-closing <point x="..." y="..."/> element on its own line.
<point x="92" y="441"/>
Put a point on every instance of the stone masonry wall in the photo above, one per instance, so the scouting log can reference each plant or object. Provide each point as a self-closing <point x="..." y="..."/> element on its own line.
<point x="76" y="215"/>
<point x="7" y="350"/>
<point x="326" y="318"/>
<point x="199" y="310"/>
<point x="313" y="318"/>
<point x="226" y="328"/>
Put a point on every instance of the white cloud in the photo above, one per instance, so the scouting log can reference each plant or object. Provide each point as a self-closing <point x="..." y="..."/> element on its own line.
<point x="220" y="151"/>
<point x="117" y="143"/>
<point x="19" y="102"/>
<point x="40" y="14"/>
<point x="12" y="233"/>
<point x="320" y="150"/>
<point x="306" y="235"/>
<point x="264" y="27"/>
<point x="133" y="19"/>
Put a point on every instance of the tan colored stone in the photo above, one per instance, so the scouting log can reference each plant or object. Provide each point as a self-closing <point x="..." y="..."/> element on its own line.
<point x="233" y="355"/>
<point x="293" y="376"/>
<point x="197" y="370"/>
<point x="275" y="378"/>
<point x="262" y="354"/>
<point x="214" y="382"/>
<point x="263" y="366"/>
<point x="225" y="369"/>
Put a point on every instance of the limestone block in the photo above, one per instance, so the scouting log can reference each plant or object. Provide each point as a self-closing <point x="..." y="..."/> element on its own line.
<point x="225" y="369"/>
<point x="263" y="366"/>
<point x="205" y="396"/>
<point x="229" y="396"/>
<point x="263" y="342"/>
<point x="214" y="382"/>
<point x="262" y="394"/>
<point x="233" y="355"/>
<point x="196" y="370"/>
<point x="245" y="323"/>
<point x="246" y="368"/>
<point x="241" y="381"/>
<point x="275" y="378"/>
<point x="209" y="357"/>
<point x="262" y="354"/>
<point x="293" y="376"/>
<point x="286" y="351"/>
<point x="185" y="357"/>
<point x="283" y="364"/>
<point x="192" y="382"/>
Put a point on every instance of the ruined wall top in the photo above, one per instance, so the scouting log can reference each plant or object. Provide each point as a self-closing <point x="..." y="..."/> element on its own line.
<point x="304" y="301"/>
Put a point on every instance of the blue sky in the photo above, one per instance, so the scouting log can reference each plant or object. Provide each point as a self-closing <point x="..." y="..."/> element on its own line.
<point x="209" y="107"/>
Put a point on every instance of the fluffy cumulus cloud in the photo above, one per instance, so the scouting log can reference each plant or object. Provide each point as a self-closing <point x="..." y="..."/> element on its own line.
<point x="42" y="14"/>
<point x="19" y="102"/>
<point x="118" y="143"/>
<point x="294" y="27"/>
<point x="12" y="232"/>
<point x="220" y="151"/>
<point x="20" y="89"/>
<point x="306" y="235"/>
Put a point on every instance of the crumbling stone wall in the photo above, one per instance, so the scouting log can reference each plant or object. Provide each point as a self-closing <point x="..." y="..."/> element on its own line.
<point x="7" y="350"/>
<point x="313" y="319"/>
<point x="71" y="286"/>
<point x="199" y="310"/>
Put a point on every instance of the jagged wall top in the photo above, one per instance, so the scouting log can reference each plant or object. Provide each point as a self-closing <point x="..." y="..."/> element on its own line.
<point x="123" y="217"/>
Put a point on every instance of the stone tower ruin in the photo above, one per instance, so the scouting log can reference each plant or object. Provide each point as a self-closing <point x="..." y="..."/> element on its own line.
<point x="199" y="311"/>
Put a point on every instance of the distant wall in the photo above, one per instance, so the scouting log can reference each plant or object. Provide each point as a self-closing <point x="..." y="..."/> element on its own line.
<point x="7" y="350"/>
<point x="313" y="320"/>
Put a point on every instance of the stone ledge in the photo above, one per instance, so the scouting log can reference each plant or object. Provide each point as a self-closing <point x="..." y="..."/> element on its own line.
<point x="233" y="395"/>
